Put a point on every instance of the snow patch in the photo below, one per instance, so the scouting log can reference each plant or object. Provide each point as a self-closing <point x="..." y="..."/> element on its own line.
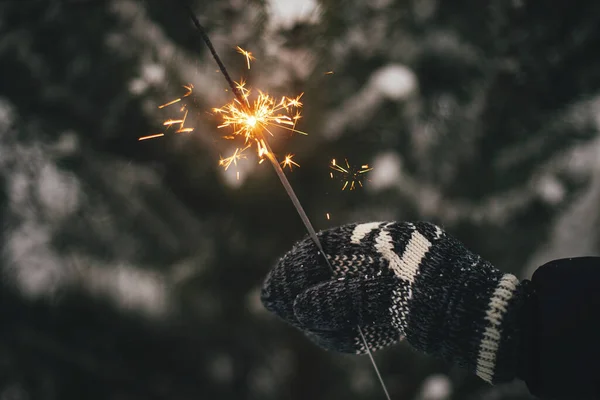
<point x="33" y="266"/>
<point x="137" y="86"/>
<point x="435" y="387"/>
<point x="387" y="171"/>
<point x="128" y="287"/>
<point x="150" y="74"/>
<point x="7" y="114"/>
<point x="551" y="189"/>
<point x="153" y="73"/>
<point x="67" y="144"/>
<point x="284" y="14"/>
<point x="58" y="192"/>
<point x="394" y="81"/>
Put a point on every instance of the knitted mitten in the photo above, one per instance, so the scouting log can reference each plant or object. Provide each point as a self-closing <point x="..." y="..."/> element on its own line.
<point x="398" y="280"/>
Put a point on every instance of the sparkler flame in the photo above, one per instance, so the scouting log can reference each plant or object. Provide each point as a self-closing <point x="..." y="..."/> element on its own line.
<point x="350" y="175"/>
<point x="250" y="119"/>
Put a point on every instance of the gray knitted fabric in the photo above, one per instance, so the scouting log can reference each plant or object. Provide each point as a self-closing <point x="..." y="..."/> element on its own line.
<point x="400" y="280"/>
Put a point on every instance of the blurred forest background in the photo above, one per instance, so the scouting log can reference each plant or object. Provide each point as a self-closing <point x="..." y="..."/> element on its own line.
<point x="131" y="270"/>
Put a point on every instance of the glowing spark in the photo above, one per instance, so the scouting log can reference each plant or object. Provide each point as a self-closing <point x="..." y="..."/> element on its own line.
<point x="182" y="129"/>
<point x="233" y="159"/>
<point x="247" y="54"/>
<point x="329" y="73"/>
<point x="262" y="148"/>
<point x="250" y="119"/>
<point x="288" y="162"/>
<point x="151" y="136"/>
<point x="241" y="87"/>
<point x="350" y="175"/>
<point x="169" y="122"/>
<point x="327" y="214"/>
<point x="169" y="103"/>
<point x="189" y="88"/>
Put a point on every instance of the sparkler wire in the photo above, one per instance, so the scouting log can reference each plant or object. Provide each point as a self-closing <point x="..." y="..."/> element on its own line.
<point x="281" y="175"/>
<point x="213" y="52"/>
<point x="315" y="239"/>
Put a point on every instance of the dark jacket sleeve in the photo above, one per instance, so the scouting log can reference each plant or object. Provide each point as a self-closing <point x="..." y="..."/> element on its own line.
<point x="561" y="339"/>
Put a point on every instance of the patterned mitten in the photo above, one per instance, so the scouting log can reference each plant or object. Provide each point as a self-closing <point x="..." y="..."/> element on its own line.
<point x="401" y="280"/>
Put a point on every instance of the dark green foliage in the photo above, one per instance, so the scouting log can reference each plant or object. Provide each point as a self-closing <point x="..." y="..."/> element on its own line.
<point x="493" y="139"/>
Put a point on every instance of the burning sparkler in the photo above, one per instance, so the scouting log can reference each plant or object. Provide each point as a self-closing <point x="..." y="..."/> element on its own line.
<point x="350" y="175"/>
<point x="250" y="120"/>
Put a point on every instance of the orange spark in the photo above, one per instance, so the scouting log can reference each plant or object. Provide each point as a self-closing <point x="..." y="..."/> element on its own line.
<point x="169" y="122"/>
<point x="182" y="129"/>
<point x="233" y="159"/>
<point x="329" y="73"/>
<point x="151" y="136"/>
<point x="349" y="175"/>
<point x="249" y="120"/>
<point x="189" y="88"/>
<point x="288" y="162"/>
<point x="247" y="54"/>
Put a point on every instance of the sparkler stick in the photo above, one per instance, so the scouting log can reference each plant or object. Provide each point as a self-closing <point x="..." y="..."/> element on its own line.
<point x="315" y="239"/>
<point x="266" y="149"/>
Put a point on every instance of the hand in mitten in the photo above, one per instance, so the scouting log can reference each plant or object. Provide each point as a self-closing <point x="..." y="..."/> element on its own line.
<point x="400" y="280"/>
